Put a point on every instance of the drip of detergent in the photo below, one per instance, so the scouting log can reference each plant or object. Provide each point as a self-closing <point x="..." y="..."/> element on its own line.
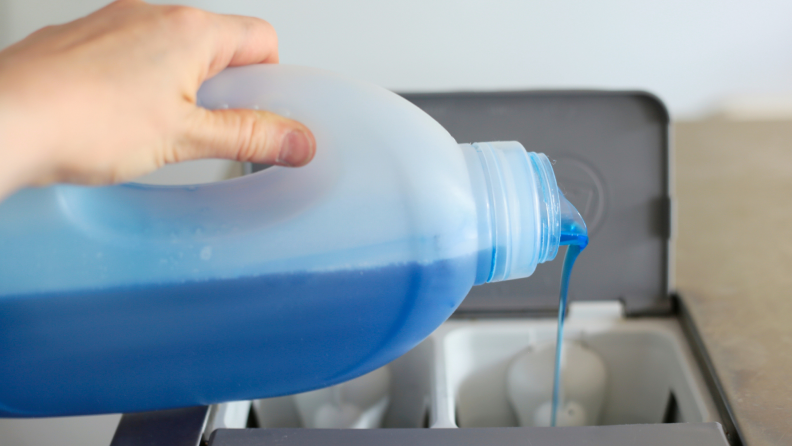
<point x="575" y="235"/>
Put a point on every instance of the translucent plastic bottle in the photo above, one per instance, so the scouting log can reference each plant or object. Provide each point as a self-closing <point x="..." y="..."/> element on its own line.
<point x="135" y="297"/>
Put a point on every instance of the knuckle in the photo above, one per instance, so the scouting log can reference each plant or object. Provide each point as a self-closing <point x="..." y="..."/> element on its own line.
<point x="169" y="155"/>
<point x="186" y="18"/>
<point x="252" y="138"/>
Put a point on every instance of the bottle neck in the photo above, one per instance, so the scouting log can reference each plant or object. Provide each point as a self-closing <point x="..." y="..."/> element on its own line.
<point x="518" y="209"/>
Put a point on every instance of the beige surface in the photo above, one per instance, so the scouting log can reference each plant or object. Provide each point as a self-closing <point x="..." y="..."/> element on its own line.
<point x="734" y="263"/>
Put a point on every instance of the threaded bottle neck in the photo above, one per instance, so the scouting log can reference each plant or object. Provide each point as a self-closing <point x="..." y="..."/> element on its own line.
<point x="518" y="209"/>
<point x="549" y="205"/>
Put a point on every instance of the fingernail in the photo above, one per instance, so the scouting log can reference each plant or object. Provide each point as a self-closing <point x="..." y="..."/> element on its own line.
<point x="295" y="149"/>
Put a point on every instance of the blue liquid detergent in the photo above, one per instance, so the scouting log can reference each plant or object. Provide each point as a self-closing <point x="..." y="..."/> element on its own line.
<point x="575" y="235"/>
<point x="296" y="335"/>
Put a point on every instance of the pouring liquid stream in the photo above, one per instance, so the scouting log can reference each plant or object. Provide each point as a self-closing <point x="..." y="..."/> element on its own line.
<point x="575" y="236"/>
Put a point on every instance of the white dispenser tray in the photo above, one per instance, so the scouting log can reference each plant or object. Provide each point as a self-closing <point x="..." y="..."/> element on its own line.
<point x="652" y="376"/>
<point x="458" y="376"/>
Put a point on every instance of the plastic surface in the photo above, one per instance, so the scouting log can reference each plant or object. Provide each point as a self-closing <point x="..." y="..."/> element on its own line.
<point x="135" y="297"/>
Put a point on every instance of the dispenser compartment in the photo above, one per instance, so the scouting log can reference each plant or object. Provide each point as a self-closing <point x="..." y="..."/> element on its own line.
<point x="458" y="377"/>
<point x="652" y="376"/>
<point x="406" y="404"/>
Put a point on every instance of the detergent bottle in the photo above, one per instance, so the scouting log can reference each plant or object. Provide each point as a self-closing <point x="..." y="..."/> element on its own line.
<point x="136" y="297"/>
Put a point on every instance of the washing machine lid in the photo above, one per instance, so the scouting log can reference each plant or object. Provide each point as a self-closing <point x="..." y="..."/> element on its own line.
<point x="611" y="159"/>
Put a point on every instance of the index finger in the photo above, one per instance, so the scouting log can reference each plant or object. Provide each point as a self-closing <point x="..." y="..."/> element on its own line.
<point x="241" y="40"/>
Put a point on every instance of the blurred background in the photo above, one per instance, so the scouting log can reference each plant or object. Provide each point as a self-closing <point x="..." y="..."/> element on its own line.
<point x="707" y="60"/>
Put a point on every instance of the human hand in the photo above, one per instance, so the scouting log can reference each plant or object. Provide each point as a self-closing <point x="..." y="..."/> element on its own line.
<point x="112" y="96"/>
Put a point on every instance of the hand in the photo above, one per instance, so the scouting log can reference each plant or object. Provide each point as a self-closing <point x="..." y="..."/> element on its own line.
<point x="111" y="96"/>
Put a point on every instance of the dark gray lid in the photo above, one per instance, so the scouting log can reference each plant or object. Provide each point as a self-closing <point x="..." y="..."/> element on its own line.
<point x="611" y="161"/>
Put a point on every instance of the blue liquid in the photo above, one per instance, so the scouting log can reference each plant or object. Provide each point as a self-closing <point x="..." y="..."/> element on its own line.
<point x="136" y="349"/>
<point x="576" y="243"/>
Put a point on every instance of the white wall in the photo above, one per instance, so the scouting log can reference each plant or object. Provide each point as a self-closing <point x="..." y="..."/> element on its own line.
<point x="693" y="53"/>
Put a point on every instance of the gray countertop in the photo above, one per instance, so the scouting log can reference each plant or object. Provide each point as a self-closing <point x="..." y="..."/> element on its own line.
<point x="734" y="262"/>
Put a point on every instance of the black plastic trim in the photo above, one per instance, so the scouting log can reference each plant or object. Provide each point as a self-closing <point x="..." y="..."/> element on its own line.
<point x="682" y="434"/>
<point x="731" y="428"/>
<point x="175" y="427"/>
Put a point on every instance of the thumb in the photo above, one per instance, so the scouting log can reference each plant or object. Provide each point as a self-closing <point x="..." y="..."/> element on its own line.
<point x="247" y="135"/>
